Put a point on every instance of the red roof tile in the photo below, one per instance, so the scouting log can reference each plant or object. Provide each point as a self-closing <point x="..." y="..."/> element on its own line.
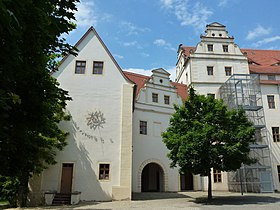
<point x="140" y="81"/>
<point x="262" y="61"/>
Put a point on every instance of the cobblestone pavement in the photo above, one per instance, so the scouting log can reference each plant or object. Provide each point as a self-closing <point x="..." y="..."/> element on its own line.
<point x="183" y="200"/>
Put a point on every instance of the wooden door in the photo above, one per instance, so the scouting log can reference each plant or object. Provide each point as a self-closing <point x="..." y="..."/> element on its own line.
<point x="66" y="178"/>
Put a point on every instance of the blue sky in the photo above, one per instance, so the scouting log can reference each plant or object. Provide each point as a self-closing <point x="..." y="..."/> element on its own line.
<point x="145" y="34"/>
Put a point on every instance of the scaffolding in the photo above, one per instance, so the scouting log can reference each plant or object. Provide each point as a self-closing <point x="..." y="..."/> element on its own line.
<point x="243" y="91"/>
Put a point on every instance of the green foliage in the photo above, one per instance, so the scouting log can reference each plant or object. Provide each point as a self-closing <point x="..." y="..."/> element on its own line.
<point x="31" y="102"/>
<point x="9" y="189"/>
<point x="204" y="134"/>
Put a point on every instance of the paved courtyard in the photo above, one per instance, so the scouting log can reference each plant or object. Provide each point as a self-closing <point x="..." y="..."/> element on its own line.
<point x="184" y="200"/>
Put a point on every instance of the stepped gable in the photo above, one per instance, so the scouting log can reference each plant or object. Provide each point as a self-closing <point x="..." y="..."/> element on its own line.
<point x="140" y="81"/>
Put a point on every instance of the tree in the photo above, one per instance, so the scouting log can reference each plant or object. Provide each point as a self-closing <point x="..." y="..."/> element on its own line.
<point x="31" y="102"/>
<point x="204" y="134"/>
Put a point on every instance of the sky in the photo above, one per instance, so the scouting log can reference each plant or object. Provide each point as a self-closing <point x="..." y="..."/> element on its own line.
<point x="145" y="34"/>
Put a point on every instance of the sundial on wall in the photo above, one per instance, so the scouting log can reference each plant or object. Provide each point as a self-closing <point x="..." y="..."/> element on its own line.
<point x="95" y="120"/>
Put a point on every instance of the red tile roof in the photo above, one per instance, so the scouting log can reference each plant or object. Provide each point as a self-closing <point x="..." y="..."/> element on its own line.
<point x="263" y="61"/>
<point x="140" y="81"/>
<point x="260" y="61"/>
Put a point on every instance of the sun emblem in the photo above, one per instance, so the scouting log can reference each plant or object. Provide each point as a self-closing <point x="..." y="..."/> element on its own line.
<point x="95" y="120"/>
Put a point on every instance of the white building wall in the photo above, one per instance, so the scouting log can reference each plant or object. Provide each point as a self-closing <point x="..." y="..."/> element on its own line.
<point x="272" y="118"/>
<point x="87" y="147"/>
<point x="150" y="148"/>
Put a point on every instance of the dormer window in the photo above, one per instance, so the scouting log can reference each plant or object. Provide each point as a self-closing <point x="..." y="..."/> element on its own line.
<point x="276" y="64"/>
<point x="210" y="47"/>
<point x="225" y="48"/>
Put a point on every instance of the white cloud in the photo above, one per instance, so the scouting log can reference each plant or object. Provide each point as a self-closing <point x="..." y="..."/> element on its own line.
<point x="160" y="42"/>
<point x="145" y="54"/>
<point x="163" y="43"/>
<point x="87" y="15"/>
<point x="172" y="72"/>
<point x="130" y="44"/>
<point x="118" y="56"/>
<point x="132" y="29"/>
<point x="266" y="41"/>
<point x="140" y="71"/>
<point x="195" y="15"/>
<point x="148" y="72"/>
<point x="258" y="32"/>
<point x="223" y="3"/>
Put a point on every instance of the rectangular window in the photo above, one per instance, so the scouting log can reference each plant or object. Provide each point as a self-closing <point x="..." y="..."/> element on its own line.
<point x="228" y="71"/>
<point x="143" y="127"/>
<point x="278" y="171"/>
<point x="210" y="47"/>
<point x="275" y="134"/>
<point x="217" y="175"/>
<point x="155" y="97"/>
<point x="104" y="171"/>
<point x="80" y="67"/>
<point x="210" y="70"/>
<point x="225" y="48"/>
<point x="211" y="95"/>
<point x="271" y="102"/>
<point x="166" y="99"/>
<point x="271" y="77"/>
<point x="97" y="67"/>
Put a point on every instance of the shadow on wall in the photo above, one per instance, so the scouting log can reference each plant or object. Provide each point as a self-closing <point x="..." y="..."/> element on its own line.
<point x="85" y="178"/>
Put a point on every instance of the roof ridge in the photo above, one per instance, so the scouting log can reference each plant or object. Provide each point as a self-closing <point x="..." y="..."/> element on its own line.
<point x="133" y="73"/>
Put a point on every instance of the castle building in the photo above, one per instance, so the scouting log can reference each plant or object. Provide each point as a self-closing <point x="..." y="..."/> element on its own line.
<point x="244" y="78"/>
<point x="114" y="142"/>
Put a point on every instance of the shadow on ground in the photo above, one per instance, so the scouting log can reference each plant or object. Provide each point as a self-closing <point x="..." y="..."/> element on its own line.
<point x="236" y="200"/>
<point x="157" y="195"/>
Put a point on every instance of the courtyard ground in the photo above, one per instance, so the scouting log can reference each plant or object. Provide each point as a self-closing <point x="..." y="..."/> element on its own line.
<point x="183" y="200"/>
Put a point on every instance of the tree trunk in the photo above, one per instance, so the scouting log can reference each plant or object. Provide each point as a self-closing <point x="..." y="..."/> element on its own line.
<point x="23" y="190"/>
<point x="209" y="186"/>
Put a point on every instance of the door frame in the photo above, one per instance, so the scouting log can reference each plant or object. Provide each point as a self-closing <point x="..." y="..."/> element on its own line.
<point x="60" y="174"/>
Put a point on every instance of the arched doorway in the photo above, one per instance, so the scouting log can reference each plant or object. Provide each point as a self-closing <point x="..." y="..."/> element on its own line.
<point x="152" y="178"/>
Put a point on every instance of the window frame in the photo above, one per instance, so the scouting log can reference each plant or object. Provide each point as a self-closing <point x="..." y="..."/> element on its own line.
<point x="275" y="134"/>
<point x="271" y="101"/>
<point x="271" y="77"/>
<point x="97" y="70"/>
<point x="155" y="97"/>
<point x="82" y="68"/>
<point x="212" y="95"/>
<point x="225" y="48"/>
<point x="210" y="47"/>
<point x="102" y="175"/>
<point x="166" y="100"/>
<point x="217" y="176"/>
<point x="210" y="69"/>
<point x="143" y="127"/>
<point x="228" y="70"/>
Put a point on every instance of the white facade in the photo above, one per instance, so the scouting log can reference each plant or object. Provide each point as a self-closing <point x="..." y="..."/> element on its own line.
<point x="114" y="143"/>
<point x="148" y="147"/>
<point x="100" y="129"/>
<point x="218" y="51"/>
